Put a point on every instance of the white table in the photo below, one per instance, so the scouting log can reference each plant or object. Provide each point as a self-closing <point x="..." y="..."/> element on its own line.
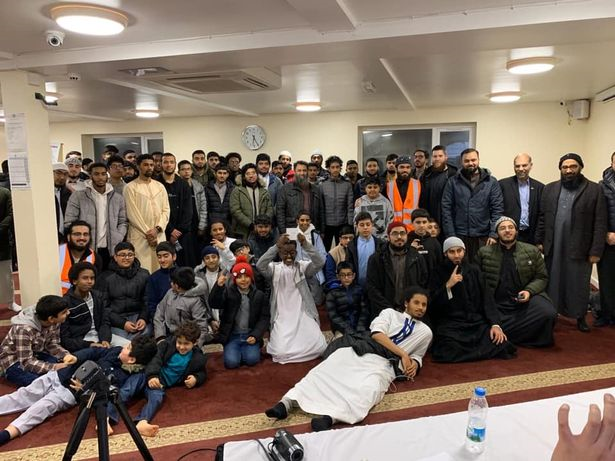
<point x="523" y="432"/>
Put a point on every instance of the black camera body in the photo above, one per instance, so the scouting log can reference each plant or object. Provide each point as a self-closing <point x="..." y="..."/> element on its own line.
<point x="91" y="376"/>
<point x="286" y="447"/>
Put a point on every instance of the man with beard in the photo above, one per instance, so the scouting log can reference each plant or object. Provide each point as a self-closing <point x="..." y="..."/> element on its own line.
<point x="180" y="204"/>
<point x="516" y="278"/>
<point x="522" y="196"/>
<point x="393" y="268"/>
<point x="371" y="170"/>
<point x="571" y="232"/>
<point x="213" y="160"/>
<point x="404" y="192"/>
<point x="471" y="204"/>
<point x="337" y="200"/>
<point x="278" y="170"/>
<point x="62" y="194"/>
<point x="130" y="156"/>
<point x="198" y="224"/>
<point x="271" y="182"/>
<point x="299" y="195"/>
<point x="147" y="209"/>
<point x="199" y="167"/>
<point x="606" y="266"/>
<point x="103" y="208"/>
<point x="157" y="165"/>
<point x="74" y="181"/>
<point x="218" y="196"/>
<point x="115" y="164"/>
<point x="316" y="159"/>
<point x="433" y="182"/>
<point x="248" y="201"/>
<point x="466" y="325"/>
<point x="285" y="159"/>
<point x="420" y="163"/>
<point x="77" y="248"/>
<point x="233" y="160"/>
<point x="390" y="172"/>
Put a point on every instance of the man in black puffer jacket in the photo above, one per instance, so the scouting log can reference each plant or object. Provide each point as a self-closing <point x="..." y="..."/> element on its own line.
<point x="124" y="284"/>
<point x="606" y="266"/>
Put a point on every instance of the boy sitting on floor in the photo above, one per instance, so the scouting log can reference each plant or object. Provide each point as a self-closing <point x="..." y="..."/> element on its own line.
<point x="184" y="301"/>
<point x="178" y="361"/>
<point x="244" y="315"/>
<point x="51" y="393"/>
<point x="159" y="281"/>
<point x="32" y="346"/>
<point x="346" y="303"/>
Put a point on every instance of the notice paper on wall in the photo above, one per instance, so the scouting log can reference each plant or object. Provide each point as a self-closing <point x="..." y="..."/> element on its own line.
<point x="20" y="170"/>
<point x="15" y="133"/>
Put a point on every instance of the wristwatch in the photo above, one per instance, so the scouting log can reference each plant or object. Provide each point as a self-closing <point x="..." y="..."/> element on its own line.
<point x="159" y="229"/>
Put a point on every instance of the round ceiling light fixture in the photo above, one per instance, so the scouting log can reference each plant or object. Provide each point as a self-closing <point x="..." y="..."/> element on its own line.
<point x="528" y="66"/>
<point x="147" y="113"/>
<point x="89" y="19"/>
<point x="308" y="106"/>
<point x="504" y="96"/>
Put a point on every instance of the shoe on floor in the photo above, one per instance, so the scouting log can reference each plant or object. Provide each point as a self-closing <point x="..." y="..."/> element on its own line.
<point x="278" y="411"/>
<point x="582" y="325"/>
<point x="15" y="307"/>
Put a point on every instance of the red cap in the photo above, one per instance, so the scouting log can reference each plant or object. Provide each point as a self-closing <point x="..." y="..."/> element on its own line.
<point x="242" y="267"/>
<point x="395" y="224"/>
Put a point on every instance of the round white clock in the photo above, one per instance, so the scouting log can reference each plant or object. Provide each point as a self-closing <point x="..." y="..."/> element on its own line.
<point x="253" y="137"/>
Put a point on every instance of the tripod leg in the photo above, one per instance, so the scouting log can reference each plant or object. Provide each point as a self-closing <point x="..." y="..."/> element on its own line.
<point x="134" y="433"/>
<point x="103" y="436"/>
<point x="76" y="435"/>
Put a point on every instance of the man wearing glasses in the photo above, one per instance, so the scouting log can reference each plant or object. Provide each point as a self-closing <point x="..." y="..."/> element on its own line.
<point x="394" y="267"/>
<point x="116" y="173"/>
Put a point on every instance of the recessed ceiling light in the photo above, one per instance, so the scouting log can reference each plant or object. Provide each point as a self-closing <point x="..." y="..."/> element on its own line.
<point x="89" y="19"/>
<point x="147" y="113"/>
<point x="531" y="65"/>
<point x="505" y="96"/>
<point x="52" y="96"/>
<point x="308" y="106"/>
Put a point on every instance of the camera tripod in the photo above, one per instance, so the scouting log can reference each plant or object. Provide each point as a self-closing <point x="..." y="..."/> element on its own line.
<point x="98" y="401"/>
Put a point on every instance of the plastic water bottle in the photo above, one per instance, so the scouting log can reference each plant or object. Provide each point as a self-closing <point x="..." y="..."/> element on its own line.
<point x="477" y="421"/>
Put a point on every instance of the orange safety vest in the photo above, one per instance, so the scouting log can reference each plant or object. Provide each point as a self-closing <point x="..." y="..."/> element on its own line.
<point x="402" y="211"/>
<point x="66" y="264"/>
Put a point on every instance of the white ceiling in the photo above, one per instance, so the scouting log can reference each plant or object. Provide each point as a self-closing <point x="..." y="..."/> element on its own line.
<point x="417" y="54"/>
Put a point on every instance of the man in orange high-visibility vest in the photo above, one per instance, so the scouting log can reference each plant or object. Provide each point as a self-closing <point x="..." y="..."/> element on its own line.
<point x="77" y="248"/>
<point x="404" y="192"/>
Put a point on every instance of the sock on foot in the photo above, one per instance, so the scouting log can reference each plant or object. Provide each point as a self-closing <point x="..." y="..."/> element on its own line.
<point x="278" y="411"/>
<point x="322" y="423"/>
<point x="5" y="436"/>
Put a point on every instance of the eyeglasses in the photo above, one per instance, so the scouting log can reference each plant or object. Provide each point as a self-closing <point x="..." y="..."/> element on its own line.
<point x="125" y="255"/>
<point x="345" y="276"/>
<point x="347" y="237"/>
<point x="396" y="234"/>
<point x="80" y="234"/>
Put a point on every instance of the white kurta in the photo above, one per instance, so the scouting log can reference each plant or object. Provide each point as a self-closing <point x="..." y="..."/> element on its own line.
<point x="147" y="206"/>
<point x="346" y="386"/>
<point x="295" y="337"/>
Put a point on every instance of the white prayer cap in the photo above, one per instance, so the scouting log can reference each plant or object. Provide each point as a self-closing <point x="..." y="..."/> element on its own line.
<point x="59" y="166"/>
<point x="286" y="153"/>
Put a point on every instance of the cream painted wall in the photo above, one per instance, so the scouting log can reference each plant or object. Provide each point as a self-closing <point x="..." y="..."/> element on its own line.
<point x="502" y="132"/>
<point x="600" y="138"/>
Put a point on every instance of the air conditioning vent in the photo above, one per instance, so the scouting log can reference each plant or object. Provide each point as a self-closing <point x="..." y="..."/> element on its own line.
<point x="254" y="79"/>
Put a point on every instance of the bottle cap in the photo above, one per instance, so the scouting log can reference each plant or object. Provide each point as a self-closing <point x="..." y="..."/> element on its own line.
<point x="480" y="391"/>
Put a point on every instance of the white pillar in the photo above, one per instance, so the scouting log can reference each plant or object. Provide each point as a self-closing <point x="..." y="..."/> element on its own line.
<point x="33" y="207"/>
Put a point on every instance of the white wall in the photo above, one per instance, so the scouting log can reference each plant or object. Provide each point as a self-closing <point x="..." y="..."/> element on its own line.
<point x="600" y="139"/>
<point x="541" y="129"/>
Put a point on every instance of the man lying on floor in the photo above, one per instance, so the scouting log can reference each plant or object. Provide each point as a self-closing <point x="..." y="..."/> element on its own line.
<point x="52" y="393"/>
<point x="358" y="370"/>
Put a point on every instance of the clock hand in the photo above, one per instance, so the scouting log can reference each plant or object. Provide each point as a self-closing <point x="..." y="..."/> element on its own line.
<point x="254" y="139"/>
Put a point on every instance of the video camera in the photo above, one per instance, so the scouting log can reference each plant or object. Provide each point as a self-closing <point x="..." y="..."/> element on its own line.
<point x="91" y="377"/>
<point x="285" y="447"/>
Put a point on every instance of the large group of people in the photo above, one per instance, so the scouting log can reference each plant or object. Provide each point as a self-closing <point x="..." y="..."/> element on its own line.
<point x="215" y="251"/>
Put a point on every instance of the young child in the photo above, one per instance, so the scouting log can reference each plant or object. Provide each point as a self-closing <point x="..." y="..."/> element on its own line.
<point x="32" y="346"/>
<point x="295" y="328"/>
<point x="377" y="205"/>
<point x="244" y="315"/>
<point x="434" y="228"/>
<point x="263" y="236"/>
<point x="51" y="393"/>
<point x="184" y="301"/>
<point x="179" y="361"/>
<point x="346" y="303"/>
<point x="242" y="248"/>
<point x="346" y="385"/>
<point x="87" y="324"/>
<point x="209" y="270"/>
<point x="336" y="255"/>
<point x="421" y="239"/>
<point x="222" y="243"/>
<point x="159" y="281"/>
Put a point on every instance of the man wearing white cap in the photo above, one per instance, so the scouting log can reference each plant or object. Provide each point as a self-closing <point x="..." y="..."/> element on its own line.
<point x="286" y="159"/>
<point x="516" y="278"/>
<point x="62" y="194"/>
<point x="467" y="326"/>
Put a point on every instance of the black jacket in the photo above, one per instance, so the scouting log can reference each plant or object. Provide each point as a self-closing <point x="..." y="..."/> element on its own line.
<point x="352" y="251"/>
<point x="64" y="196"/>
<point x="608" y="189"/>
<point x="290" y="203"/>
<point x="431" y="251"/>
<point x="347" y="310"/>
<point x="588" y="226"/>
<point x="180" y="205"/>
<point x="79" y="321"/>
<point x="228" y="300"/>
<point x="166" y="349"/>
<point x="432" y="188"/>
<point x="125" y="290"/>
<point x="381" y="288"/>
<point x="216" y="208"/>
<point x="512" y="203"/>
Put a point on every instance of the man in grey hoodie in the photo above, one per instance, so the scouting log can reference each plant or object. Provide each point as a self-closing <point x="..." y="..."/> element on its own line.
<point x="103" y="209"/>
